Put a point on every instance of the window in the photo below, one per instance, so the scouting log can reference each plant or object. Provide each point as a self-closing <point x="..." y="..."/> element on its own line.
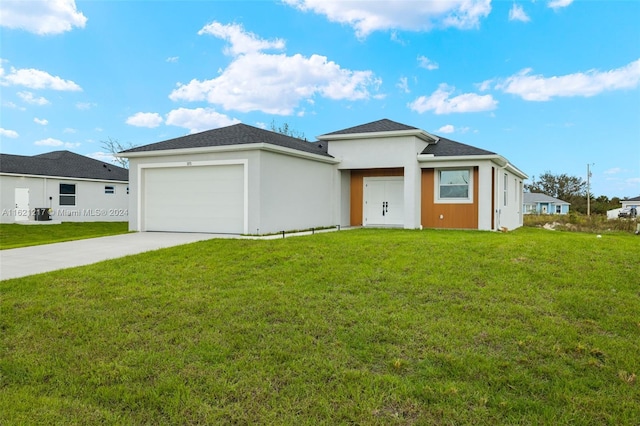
<point x="558" y="209"/>
<point x="67" y="194"/>
<point x="454" y="184"/>
<point x="109" y="189"/>
<point x="506" y="188"/>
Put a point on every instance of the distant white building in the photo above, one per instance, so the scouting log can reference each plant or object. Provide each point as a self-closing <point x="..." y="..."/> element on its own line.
<point x="62" y="186"/>
<point x="631" y="202"/>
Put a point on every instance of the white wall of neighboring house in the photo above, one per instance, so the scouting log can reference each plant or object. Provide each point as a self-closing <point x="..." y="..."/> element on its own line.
<point x="92" y="203"/>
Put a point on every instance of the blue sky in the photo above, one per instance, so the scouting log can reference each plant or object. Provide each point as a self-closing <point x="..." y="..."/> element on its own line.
<point x="550" y="85"/>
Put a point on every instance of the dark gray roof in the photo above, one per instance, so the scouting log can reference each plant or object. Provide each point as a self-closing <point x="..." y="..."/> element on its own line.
<point x="448" y="148"/>
<point x="536" y="197"/>
<point x="383" y="125"/>
<point x="237" y="134"/>
<point x="633" y="199"/>
<point x="62" y="164"/>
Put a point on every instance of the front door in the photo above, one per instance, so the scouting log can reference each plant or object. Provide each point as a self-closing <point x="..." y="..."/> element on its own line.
<point x="22" y="204"/>
<point x="383" y="201"/>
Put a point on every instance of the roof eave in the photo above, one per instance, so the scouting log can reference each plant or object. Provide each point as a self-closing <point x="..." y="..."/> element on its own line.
<point x="420" y="134"/>
<point x="230" y="148"/>
<point x="498" y="159"/>
<point x="31" y="175"/>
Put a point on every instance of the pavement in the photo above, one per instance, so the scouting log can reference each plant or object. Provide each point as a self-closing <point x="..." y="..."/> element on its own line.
<point x="21" y="262"/>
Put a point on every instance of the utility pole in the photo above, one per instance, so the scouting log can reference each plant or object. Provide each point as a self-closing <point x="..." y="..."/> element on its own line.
<point x="589" y="190"/>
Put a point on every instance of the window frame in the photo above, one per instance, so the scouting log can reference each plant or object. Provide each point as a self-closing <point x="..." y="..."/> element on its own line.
<point x="68" y="197"/>
<point x="453" y="200"/>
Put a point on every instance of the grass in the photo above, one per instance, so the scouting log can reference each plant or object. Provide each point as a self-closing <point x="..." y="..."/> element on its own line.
<point x="377" y="327"/>
<point x="14" y="236"/>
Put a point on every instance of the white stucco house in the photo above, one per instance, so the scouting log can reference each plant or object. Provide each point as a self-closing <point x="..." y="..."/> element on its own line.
<point x="536" y="203"/>
<point x="69" y="186"/>
<point x="242" y="179"/>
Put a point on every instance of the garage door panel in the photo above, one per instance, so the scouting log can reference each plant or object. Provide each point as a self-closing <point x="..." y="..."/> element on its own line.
<point x="195" y="199"/>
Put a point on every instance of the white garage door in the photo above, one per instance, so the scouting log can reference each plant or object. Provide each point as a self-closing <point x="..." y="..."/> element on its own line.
<point x="194" y="199"/>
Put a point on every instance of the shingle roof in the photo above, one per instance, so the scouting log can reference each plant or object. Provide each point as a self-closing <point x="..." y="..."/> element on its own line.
<point x="383" y="125"/>
<point x="448" y="148"/>
<point x="633" y="199"/>
<point x="535" y="197"/>
<point x="237" y="134"/>
<point x="62" y="164"/>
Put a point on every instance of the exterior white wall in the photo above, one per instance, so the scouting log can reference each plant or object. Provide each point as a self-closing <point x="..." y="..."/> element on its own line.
<point x="92" y="203"/>
<point x="295" y="194"/>
<point x="509" y="216"/>
<point x="385" y="152"/>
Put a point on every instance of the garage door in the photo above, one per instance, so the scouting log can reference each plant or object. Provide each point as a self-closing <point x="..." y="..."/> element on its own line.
<point x="194" y="199"/>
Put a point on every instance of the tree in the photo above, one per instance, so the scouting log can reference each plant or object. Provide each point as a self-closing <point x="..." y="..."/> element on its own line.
<point x="563" y="187"/>
<point x="285" y="129"/>
<point x="113" y="146"/>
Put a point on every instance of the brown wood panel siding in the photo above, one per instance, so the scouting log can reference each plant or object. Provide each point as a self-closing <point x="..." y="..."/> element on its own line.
<point x="454" y="216"/>
<point x="357" y="187"/>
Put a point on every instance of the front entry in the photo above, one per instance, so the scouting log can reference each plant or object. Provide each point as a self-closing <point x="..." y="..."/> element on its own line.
<point x="22" y="204"/>
<point x="383" y="201"/>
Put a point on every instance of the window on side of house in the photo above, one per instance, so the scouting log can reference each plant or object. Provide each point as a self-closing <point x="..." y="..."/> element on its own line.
<point x="506" y="188"/>
<point x="67" y="194"/>
<point x="558" y="209"/>
<point x="108" y="189"/>
<point x="454" y="184"/>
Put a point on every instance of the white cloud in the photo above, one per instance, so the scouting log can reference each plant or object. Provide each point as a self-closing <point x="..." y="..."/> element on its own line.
<point x="557" y="4"/>
<point x="69" y="130"/>
<point x="440" y="102"/>
<point x="593" y="82"/>
<point x="41" y="17"/>
<point x="145" y="119"/>
<point x="105" y="157"/>
<point x="370" y="16"/>
<point x="173" y="59"/>
<point x="56" y="143"/>
<point x="448" y="128"/>
<point x="85" y="105"/>
<point x="403" y="85"/>
<point x="517" y="13"/>
<point x="37" y="79"/>
<point x="240" y="41"/>
<point x="42" y="122"/>
<point x="199" y="119"/>
<point x="427" y="63"/>
<point x="272" y="83"/>
<point x="29" y="98"/>
<point x="613" y="171"/>
<point x="8" y="133"/>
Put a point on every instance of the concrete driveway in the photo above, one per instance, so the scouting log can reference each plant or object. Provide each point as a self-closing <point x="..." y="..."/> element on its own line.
<point x="20" y="262"/>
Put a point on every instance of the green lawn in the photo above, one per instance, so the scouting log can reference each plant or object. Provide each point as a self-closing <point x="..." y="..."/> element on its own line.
<point x="377" y="327"/>
<point x="13" y="236"/>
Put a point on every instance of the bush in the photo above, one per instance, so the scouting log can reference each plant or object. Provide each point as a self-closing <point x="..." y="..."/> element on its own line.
<point x="574" y="221"/>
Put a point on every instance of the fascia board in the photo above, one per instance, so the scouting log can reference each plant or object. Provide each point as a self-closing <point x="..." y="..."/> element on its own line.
<point x="421" y="134"/>
<point x="498" y="159"/>
<point x="230" y="148"/>
<point x="62" y="178"/>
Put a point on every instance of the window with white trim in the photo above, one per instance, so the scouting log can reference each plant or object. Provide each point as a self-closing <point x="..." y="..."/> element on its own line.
<point x="506" y="188"/>
<point x="67" y="194"/>
<point x="454" y="184"/>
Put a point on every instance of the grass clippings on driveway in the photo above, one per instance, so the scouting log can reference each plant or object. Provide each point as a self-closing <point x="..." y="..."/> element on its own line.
<point x="360" y="327"/>
<point x="14" y="235"/>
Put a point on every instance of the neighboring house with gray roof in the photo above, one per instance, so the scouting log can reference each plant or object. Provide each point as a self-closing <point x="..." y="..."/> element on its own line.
<point x="241" y="179"/>
<point x="62" y="186"/>
<point x="536" y="203"/>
